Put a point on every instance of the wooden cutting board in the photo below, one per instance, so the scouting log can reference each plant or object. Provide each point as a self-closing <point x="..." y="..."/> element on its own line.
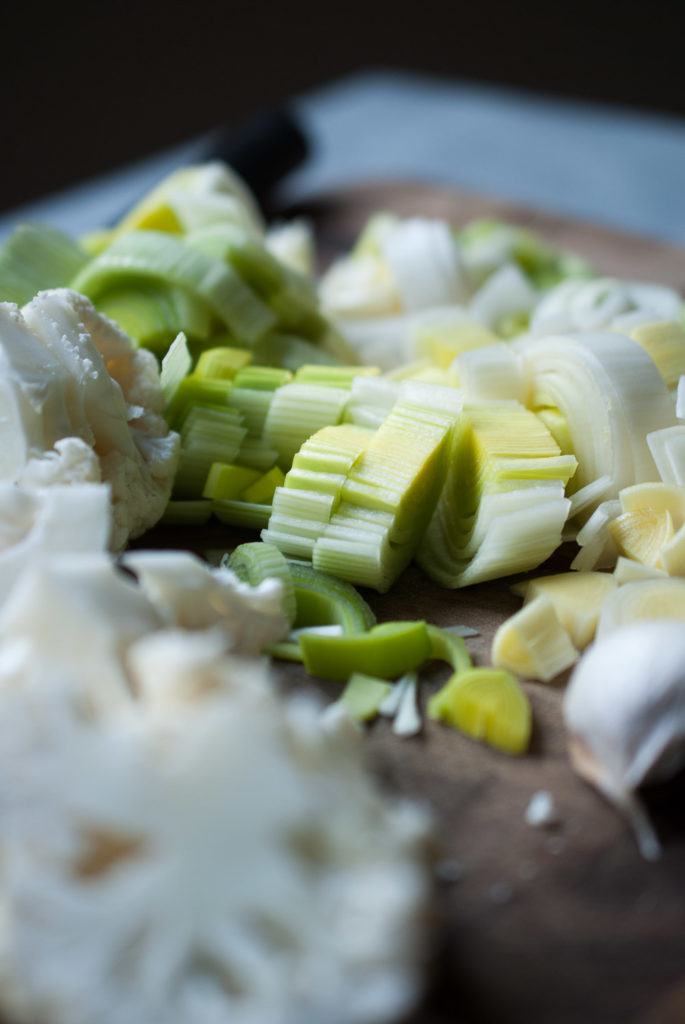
<point x="551" y="926"/>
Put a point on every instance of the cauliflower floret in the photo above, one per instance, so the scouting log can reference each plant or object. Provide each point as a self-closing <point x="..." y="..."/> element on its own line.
<point x="71" y="459"/>
<point x="37" y="522"/>
<point x="189" y="593"/>
<point x="196" y="849"/>
<point x="71" y="375"/>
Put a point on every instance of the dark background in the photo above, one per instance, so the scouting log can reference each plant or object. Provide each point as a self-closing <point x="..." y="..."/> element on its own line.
<point x="89" y="87"/>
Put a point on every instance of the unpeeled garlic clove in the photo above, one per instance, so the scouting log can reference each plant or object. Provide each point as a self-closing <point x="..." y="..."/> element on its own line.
<point x="624" y="709"/>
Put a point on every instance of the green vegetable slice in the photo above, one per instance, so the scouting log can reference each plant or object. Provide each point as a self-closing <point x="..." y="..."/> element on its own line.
<point x="363" y="696"/>
<point x="156" y="257"/>
<point x="385" y="651"/>
<point x="226" y="481"/>
<point x="35" y="257"/>
<point x="152" y="315"/>
<point x="449" y="647"/>
<point x="248" y="514"/>
<point x="487" y="704"/>
<point x="175" y="367"/>
<point x="221" y="362"/>
<point x="323" y="600"/>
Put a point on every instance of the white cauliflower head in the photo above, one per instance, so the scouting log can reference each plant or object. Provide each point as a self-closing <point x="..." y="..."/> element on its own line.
<point x="195" y="849"/>
<point x="69" y="374"/>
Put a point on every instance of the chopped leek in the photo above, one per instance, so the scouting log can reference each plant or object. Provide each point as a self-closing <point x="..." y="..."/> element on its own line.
<point x="222" y="362"/>
<point x="363" y="696"/>
<point x="35" y="257"/>
<point x="503" y="508"/>
<point x="175" y="367"/>
<point x="322" y="600"/>
<point x="488" y="705"/>
<point x="385" y="651"/>
<point x="226" y="481"/>
<point x="157" y="257"/>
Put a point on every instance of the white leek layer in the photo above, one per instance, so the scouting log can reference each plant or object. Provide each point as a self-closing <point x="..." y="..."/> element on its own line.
<point x="611" y="395"/>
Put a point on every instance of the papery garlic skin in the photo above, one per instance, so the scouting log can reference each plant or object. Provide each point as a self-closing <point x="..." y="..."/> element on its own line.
<point x="624" y="710"/>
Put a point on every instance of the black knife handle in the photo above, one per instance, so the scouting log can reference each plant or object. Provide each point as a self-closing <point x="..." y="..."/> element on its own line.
<point x="262" y="150"/>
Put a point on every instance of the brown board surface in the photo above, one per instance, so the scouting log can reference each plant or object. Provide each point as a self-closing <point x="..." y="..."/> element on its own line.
<point x="549" y="926"/>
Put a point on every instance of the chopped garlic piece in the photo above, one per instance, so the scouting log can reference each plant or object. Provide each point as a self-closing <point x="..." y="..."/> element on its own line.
<point x="533" y="643"/>
<point x="541" y="811"/>
<point x="577" y="599"/>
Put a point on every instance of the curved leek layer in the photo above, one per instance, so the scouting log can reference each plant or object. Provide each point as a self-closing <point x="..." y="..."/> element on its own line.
<point x="385" y="651"/>
<point x="325" y="600"/>
<point x="488" y="705"/>
<point x="611" y="395"/>
<point x="657" y="598"/>
<point x="502" y="509"/>
<point x="146" y="257"/>
<point x="665" y="342"/>
<point x="153" y="315"/>
<point x="291" y="295"/>
<point x="321" y="601"/>
<point x="35" y="257"/>
<point x="449" y="647"/>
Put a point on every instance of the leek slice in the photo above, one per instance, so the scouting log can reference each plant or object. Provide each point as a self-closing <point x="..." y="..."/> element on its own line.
<point x="248" y="514"/>
<point x="297" y="411"/>
<point x="333" y="376"/>
<point x="193" y="392"/>
<point x="668" y="450"/>
<point x="262" y="378"/>
<point x="291" y="295"/>
<point x="390" y="492"/>
<point x="367" y="496"/>
<point x="226" y="481"/>
<point x="502" y="509"/>
<point x="385" y="651"/>
<point x="208" y="435"/>
<point x="611" y="395"/>
<point x="656" y="598"/>
<point x="35" y="257"/>
<point x="641" y="534"/>
<point x="488" y="705"/>
<point x="222" y="362"/>
<point x="264" y="487"/>
<point x="363" y="696"/>
<point x="323" y="600"/>
<point x="449" y="647"/>
<point x="665" y="342"/>
<point x="152" y="316"/>
<point x="156" y="257"/>
<point x="175" y="367"/>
